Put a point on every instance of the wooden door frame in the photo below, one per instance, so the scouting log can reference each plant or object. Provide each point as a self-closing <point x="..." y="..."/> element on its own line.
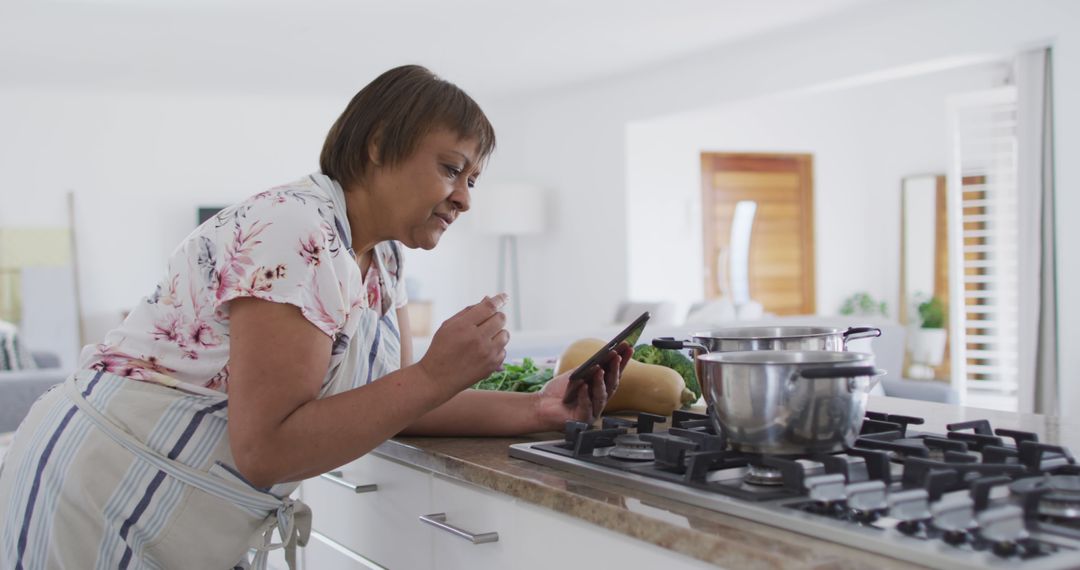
<point x="805" y="162"/>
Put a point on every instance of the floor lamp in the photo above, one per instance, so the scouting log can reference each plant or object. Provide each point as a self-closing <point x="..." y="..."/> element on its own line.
<point x="509" y="211"/>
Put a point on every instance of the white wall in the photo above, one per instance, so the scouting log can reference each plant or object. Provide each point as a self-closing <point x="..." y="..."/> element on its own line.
<point x="863" y="141"/>
<point x="575" y="140"/>
<point x="575" y="273"/>
<point x="141" y="163"/>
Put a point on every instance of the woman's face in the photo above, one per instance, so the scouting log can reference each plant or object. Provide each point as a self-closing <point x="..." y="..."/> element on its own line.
<point x="420" y="197"/>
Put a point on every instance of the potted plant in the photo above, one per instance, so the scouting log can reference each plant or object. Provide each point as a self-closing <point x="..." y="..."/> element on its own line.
<point x="863" y="304"/>
<point x="928" y="340"/>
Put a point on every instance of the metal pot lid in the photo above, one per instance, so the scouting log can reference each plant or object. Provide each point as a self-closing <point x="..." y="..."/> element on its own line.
<point x="767" y="333"/>
<point x="788" y="357"/>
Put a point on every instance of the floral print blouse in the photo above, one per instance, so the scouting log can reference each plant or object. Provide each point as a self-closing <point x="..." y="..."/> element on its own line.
<point x="283" y="245"/>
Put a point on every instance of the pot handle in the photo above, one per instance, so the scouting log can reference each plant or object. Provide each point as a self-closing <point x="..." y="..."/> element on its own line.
<point x="854" y="333"/>
<point x="672" y="344"/>
<point x="849" y="372"/>
<point x="669" y="343"/>
<point x="839" y="372"/>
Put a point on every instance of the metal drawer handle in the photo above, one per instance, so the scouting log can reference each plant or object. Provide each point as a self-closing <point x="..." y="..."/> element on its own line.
<point x="335" y="477"/>
<point x="438" y="520"/>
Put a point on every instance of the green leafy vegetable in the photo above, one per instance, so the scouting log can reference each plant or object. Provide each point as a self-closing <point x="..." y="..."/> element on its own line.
<point x="524" y="377"/>
<point x="672" y="359"/>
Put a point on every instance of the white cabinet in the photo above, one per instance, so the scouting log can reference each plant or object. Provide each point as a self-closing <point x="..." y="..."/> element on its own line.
<point x="357" y="530"/>
<point x="380" y="524"/>
<point x="554" y="540"/>
<point x="322" y="552"/>
<point x="532" y="537"/>
<point x="476" y="512"/>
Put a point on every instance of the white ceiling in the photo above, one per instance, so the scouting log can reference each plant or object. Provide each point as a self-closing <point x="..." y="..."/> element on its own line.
<point x="492" y="48"/>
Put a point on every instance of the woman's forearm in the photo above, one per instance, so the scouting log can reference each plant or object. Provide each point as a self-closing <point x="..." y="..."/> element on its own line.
<point x="280" y="430"/>
<point x="482" y="412"/>
<point x="325" y="433"/>
<point x="314" y="435"/>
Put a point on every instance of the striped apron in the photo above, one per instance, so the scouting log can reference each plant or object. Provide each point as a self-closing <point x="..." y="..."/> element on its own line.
<point x="107" y="472"/>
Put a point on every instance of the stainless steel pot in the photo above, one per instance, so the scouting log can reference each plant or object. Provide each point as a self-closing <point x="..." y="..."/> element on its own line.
<point x="787" y="402"/>
<point x="771" y="338"/>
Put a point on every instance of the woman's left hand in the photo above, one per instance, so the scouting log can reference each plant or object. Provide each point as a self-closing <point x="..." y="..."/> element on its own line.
<point x="592" y="395"/>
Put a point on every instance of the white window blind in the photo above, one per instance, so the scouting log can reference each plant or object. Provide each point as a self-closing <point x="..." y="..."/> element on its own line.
<point x="983" y="262"/>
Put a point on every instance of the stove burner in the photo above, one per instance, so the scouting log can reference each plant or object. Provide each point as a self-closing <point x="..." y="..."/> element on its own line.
<point x="946" y="488"/>
<point x="1059" y="495"/>
<point x="763" y="476"/>
<point x="1063" y="501"/>
<point x="632" y="447"/>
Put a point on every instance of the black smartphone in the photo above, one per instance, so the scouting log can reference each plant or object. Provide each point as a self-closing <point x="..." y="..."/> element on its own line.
<point x="630" y="334"/>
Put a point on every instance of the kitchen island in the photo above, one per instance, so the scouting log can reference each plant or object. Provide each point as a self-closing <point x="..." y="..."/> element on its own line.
<point x="692" y="536"/>
<point x="367" y="513"/>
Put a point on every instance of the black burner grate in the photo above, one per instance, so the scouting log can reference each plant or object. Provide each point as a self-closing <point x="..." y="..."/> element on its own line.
<point x="971" y="455"/>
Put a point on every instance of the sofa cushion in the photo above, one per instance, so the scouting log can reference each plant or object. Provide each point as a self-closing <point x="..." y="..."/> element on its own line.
<point x="19" y="390"/>
<point x="13" y="355"/>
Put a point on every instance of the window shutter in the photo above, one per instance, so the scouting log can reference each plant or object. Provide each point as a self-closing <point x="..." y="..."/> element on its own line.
<point x="983" y="241"/>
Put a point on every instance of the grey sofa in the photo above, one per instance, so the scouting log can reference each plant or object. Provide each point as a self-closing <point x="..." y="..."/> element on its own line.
<point x="19" y="389"/>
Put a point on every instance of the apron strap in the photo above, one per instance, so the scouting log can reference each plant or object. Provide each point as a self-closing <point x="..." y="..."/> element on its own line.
<point x="294" y="524"/>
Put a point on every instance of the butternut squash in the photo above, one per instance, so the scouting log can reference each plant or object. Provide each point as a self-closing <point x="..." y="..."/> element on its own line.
<point x="643" y="387"/>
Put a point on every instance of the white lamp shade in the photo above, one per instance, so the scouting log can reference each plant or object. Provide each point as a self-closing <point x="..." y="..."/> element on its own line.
<point x="508" y="209"/>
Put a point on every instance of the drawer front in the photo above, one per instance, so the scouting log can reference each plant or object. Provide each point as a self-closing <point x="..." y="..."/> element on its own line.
<point x="323" y="553"/>
<point x="474" y="511"/>
<point x="556" y="540"/>
<point x="380" y="525"/>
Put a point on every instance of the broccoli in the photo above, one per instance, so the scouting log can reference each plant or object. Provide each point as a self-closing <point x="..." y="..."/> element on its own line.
<point x="685" y="367"/>
<point x="673" y="359"/>
<point x="649" y="354"/>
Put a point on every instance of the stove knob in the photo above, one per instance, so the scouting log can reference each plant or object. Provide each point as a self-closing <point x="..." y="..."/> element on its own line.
<point x="954" y="514"/>
<point x="1003" y="525"/>
<point x="955" y="537"/>
<point x="909" y="527"/>
<point x="826" y="489"/>
<point x="1005" y="549"/>
<point x="909" y="507"/>
<point x="867" y="497"/>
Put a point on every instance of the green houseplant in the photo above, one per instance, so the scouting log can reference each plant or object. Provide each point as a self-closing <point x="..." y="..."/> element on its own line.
<point x="932" y="313"/>
<point x="863" y="304"/>
<point x="927" y="341"/>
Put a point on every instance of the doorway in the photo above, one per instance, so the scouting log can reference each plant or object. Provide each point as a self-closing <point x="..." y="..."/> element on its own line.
<point x="781" y="252"/>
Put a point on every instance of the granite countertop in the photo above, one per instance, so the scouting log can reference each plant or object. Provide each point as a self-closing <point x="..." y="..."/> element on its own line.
<point x="713" y="537"/>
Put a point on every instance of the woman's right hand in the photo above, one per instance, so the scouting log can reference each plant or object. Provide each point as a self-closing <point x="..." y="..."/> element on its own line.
<point x="468" y="346"/>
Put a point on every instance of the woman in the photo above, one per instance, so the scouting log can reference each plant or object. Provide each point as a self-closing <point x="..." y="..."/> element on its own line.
<point x="252" y="365"/>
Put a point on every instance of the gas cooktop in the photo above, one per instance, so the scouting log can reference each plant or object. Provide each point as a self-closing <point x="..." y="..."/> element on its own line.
<point x="972" y="497"/>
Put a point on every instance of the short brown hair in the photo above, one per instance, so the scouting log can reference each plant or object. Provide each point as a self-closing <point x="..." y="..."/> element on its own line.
<point x="400" y="107"/>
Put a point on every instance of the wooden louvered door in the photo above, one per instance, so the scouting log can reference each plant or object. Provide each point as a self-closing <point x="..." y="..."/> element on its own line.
<point x="781" y="261"/>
